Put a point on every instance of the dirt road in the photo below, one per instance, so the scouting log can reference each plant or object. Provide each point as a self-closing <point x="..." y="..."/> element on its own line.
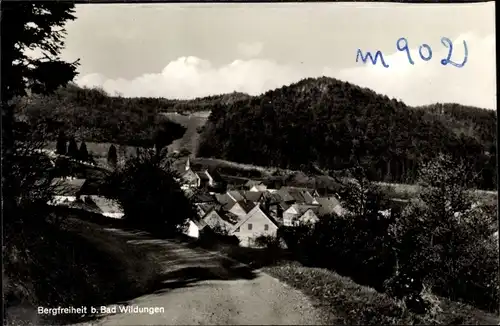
<point x="203" y="288"/>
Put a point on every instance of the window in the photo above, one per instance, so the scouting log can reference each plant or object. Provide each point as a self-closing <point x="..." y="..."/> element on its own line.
<point x="266" y="227"/>
<point x="249" y="226"/>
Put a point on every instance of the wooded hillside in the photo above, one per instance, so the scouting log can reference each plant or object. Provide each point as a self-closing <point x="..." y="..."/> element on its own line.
<point x="321" y="121"/>
<point x="333" y="124"/>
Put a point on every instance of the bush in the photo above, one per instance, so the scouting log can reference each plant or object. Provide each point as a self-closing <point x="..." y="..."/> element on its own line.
<point x="149" y="195"/>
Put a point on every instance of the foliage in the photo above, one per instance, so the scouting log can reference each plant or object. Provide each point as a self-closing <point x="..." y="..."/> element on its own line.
<point x="83" y="153"/>
<point x="444" y="239"/>
<point x="73" y="148"/>
<point x="37" y="27"/>
<point x="61" y="146"/>
<point x="96" y="116"/>
<point x="149" y="194"/>
<point x="112" y="156"/>
<point x="441" y="243"/>
<point x="334" y="124"/>
<point x="166" y="132"/>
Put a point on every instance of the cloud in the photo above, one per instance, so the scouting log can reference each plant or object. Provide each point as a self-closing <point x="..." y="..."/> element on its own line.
<point x="250" y="49"/>
<point x="418" y="84"/>
<point x="430" y="82"/>
<point x="190" y="77"/>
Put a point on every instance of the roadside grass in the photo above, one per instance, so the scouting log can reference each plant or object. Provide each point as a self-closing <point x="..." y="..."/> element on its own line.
<point x="75" y="263"/>
<point x="343" y="301"/>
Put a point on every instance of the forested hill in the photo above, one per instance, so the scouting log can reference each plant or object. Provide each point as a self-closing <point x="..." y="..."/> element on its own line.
<point x="92" y="115"/>
<point x="333" y="124"/>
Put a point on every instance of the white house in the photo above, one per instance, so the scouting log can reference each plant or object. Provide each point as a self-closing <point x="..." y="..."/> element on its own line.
<point x="256" y="223"/>
<point x="194" y="228"/>
<point x="296" y="214"/>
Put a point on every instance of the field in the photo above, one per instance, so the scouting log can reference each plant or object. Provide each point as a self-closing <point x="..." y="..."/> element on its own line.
<point x="192" y="122"/>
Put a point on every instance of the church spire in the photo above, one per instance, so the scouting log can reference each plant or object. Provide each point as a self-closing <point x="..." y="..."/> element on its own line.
<point x="188" y="166"/>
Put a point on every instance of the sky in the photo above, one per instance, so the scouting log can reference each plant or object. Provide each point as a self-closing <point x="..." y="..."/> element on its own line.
<point x="192" y="50"/>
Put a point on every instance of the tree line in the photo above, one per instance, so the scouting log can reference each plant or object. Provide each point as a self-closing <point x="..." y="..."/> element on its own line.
<point x="335" y="124"/>
<point x="441" y="243"/>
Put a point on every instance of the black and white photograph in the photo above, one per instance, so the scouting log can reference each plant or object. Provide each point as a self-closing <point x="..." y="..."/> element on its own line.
<point x="312" y="163"/>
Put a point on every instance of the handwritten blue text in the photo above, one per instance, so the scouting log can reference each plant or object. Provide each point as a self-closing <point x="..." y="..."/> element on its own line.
<point x="424" y="51"/>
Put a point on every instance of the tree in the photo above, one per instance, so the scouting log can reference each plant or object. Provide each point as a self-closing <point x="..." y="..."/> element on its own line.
<point x="440" y="237"/>
<point x="61" y="146"/>
<point x="112" y="156"/>
<point x="34" y="26"/>
<point x="167" y="132"/>
<point x="83" y="152"/>
<point x="73" y="148"/>
<point x="149" y="194"/>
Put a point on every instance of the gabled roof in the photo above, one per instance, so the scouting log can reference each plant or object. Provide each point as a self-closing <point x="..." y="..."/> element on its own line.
<point x="67" y="187"/>
<point x="284" y="195"/>
<point x="236" y="195"/>
<point x="252" y="213"/>
<point x="327" y="205"/>
<point x="185" y="173"/>
<point x="297" y="195"/>
<point x="260" y="187"/>
<point x="205" y="207"/>
<point x="309" y="199"/>
<point x="224" y="199"/>
<point x="253" y="196"/>
<point x="302" y="208"/>
<point x="251" y="183"/>
<point x="246" y="205"/>
<point x="229" y="217"/>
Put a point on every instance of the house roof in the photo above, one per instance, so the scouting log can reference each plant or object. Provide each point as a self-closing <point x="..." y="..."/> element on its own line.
<point x="246" y="205"/>
<point x="327" y="205"/>
<point x="253" y="195"/>
<point x="284" y="195"/>
<point x="302" y="208"/>
<point x="229" y="217"/>
<point x="204" y="208"/>
<point x="224" y="199"/>
<point x="250" y="183"/>
<point x="236" y="195"/>
<point x="252" y="213"/>
<point x="67" y="187"/>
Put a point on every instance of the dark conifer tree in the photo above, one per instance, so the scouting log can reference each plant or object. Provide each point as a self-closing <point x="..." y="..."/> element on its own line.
<point x="83" y="152"/>
<point x="112" y="156"/>
<point x="61" y="146"/>
<point x="73" y="148"/>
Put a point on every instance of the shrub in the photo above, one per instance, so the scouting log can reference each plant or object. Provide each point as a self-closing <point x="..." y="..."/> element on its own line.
<point x="149" y="195"/>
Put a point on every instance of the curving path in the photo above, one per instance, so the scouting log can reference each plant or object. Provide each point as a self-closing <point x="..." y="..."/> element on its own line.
<point x="204" y="288"/>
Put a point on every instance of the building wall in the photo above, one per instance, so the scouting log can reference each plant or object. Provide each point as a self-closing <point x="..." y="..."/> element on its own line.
<point x="191" y="178"/>
<point x="192" y="230"/>
<point x="289" y="215"/>
<point x="308" y="217"/>
<point x="258" y="222"/>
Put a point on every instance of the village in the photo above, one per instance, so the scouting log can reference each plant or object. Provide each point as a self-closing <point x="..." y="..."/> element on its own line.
<point x="253" y="209"/>
<point x="246" y="210"/>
